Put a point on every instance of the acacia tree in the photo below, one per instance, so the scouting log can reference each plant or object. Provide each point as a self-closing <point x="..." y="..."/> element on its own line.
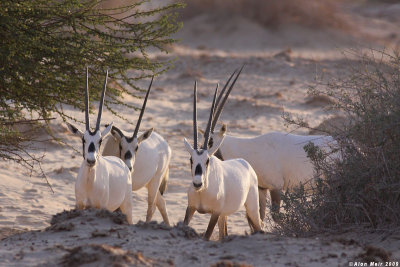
<point x="46" y="45"/>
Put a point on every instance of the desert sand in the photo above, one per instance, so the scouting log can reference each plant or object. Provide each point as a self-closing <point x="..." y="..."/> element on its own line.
<point x="279" y="66"/>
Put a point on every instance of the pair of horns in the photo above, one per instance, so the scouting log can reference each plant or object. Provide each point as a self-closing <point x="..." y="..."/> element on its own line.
<point x="87" y="120"/>
<point x="216" y="109"/>
<point x="210" y="119"/>
<point x="219" y="106"/>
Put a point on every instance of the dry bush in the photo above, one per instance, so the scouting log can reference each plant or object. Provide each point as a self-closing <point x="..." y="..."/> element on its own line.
<point x="271" y="13"/>
<point x="360" y="186"/>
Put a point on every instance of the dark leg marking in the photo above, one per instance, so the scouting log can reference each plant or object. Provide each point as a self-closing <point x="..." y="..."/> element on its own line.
<point x="211" y="225"/>
<point x="226" y="226"/>
<point x="189" y="215"/>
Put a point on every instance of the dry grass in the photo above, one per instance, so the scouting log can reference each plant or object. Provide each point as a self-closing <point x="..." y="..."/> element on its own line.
<point x="360" y="188"/>
<point x="271" y="13"/>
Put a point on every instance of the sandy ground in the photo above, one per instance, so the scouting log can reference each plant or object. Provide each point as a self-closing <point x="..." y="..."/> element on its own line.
<point x="270" y="84"/>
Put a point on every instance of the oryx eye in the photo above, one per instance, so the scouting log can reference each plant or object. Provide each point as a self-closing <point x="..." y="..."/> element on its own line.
<point x="208" y="161"/>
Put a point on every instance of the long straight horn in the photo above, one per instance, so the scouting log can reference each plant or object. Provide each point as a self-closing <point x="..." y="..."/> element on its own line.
<point x="142" y="110"/>
<point x="210" y="120"/>
<point x="101" y="103"/>
<point x="223" y="91"/>
<point x="195" y="136"/>
<point x="87" y="121"/>
<point x="221" y="106"/>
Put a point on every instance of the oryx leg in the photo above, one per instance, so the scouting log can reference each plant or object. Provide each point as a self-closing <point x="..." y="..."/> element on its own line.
<point x="152" y="190"/>
<point x="189" y="215"/>
<point x="160" y="203"/>
<point x="226" y="226"/>
<point x="275" y="202"/>
<point x="126" y="206"/>
<point x="262" y="194"/>
<point x="223" y="231"/>
<point x="253" y="210"/>
<point x="211" y="225"/>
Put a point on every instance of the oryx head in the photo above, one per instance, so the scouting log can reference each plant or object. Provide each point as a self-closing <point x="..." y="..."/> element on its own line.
<point x="200" y="157"/>
<point x="217" y="138"/>
<point x="129" y="145"/>
<point x="91" y="140"/>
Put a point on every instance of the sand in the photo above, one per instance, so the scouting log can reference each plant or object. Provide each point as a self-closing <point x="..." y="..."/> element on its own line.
<point x="279" y="66"/>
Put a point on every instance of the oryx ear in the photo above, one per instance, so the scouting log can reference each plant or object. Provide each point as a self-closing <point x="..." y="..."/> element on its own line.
<point x="145" y="135"/>
<point x="74" y="130"/>
<point x="107" y="130"/>
<point x="217" y="141"/>
<point x="222" y="131"/>
<point x="116" y="132"/>
<point x="188" y="147"/>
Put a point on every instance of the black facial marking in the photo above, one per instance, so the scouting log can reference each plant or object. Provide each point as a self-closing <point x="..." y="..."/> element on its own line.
<point x="198" y="170"/>
<point x="74" y="129"/>
<point x="101" y="140"/>
<point x="136" y="149"/>
<point x="199" y="152"/>
<point x="91" y="148"/>
<point x="208" y="161"/>
<point x="128" y="155"/>
<point x="210" y="142"/>
<point x="92" y="133"/>
<point x="191" y="162"/>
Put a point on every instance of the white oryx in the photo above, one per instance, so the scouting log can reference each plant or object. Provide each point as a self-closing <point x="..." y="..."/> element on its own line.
<point x="147" y="156"/>
<point x="278" y="158"/>
<point x="102" y="182"/>
<point x="219" y="187"/>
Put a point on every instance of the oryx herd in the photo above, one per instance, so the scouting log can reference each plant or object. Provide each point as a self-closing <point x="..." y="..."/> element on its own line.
<point x="228" y="172"/>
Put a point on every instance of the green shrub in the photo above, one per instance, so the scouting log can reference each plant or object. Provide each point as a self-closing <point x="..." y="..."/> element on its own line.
<point x="46" y="45"/>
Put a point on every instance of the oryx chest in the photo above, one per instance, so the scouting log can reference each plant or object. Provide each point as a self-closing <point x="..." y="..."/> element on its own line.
<point x="204" y="202"/>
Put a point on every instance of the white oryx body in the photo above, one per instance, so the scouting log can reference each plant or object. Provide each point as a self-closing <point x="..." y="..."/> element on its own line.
<point x="152" y="158"/>
<point x="150" y="168"/>
<point x="219" y="187"/>
<point x="147" y="156"/>
<point x="106" y="186"/>
<point x="279" y="159"/>
<point x="102" y="182"/>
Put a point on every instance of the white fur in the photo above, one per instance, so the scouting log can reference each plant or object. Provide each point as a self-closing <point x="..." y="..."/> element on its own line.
<point x="226" y="186"/>
<point x="278" y="158"/>
<point x="105" y="184"/>
<point x="150" y="166"/>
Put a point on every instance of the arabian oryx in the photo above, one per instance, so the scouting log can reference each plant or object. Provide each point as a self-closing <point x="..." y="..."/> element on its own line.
<point x="147" y="156"/>
<point x="103" y="182"/>
<point x="279" y="159"/>
<point x="219" y="187"/>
